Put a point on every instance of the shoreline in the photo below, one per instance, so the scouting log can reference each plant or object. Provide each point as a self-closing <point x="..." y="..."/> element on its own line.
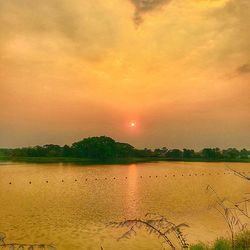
<point x="131" y="160"/>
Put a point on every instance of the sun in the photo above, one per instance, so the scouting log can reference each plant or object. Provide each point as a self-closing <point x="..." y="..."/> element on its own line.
<point x="132" y="124"/>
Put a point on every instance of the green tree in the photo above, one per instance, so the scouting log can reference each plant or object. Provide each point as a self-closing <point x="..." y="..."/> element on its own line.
<point x="231" y="153"/>
<point x="174" y="154"/>
<point x="102" y="147"/>
<point x="188" y="153"/>
<point x="211" y="153"/>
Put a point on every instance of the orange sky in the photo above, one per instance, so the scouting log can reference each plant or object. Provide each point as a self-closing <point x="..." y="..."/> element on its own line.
<point x="179" y="68"/>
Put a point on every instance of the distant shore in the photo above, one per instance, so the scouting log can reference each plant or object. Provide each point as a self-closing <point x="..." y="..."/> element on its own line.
<point x="127" y="160"/>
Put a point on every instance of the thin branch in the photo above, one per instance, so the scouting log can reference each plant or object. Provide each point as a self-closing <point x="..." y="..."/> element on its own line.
<point x="158" y="225"/>
<point x="243" y="176"/>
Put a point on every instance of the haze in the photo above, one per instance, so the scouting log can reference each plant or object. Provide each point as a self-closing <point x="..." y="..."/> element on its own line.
<point x="178" y="69"/>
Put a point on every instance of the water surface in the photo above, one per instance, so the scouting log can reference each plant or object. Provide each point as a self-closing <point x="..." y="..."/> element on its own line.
<point x="69" y="205"/>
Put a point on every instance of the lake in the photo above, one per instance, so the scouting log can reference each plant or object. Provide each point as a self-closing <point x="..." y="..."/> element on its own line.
<point x="69" y="206"/>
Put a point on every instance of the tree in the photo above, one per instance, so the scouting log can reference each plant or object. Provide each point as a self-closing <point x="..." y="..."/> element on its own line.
<point x="231" y="153"/>
<point x="188" y="153"/>
<point x="52" y="150"/>
<point x="211" y="153"/>
<point x="102" y="147"/>
<point x="124" y="150"/>
<point x="66" y="151"/>
<point x="174" y="154"/>
<point x="245" y="154"/>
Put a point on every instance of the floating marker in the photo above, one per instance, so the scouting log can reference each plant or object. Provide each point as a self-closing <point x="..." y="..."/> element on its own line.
<point x="150" y="176"/>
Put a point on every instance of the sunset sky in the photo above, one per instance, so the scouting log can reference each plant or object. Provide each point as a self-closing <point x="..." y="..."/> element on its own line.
<point x="178" y="69"/>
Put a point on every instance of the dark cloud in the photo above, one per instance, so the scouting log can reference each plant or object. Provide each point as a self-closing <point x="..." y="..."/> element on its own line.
<point x="244" y="69"/>
<point x="143" y="6"/>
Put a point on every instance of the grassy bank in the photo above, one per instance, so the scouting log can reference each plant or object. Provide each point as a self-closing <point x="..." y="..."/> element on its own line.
<point x="80" y="161"/>
<point x="127" y="160"/>
<point x="241" y="242"/>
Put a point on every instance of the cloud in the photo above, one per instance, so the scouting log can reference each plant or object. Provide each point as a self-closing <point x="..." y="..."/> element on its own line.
<point x="143" y="6"/>
<point x="243" y="69"/>
<point x="233" y="22"/>
<point x="72" y="28"/>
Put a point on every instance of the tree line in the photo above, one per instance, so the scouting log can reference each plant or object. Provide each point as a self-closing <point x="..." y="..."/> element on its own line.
<point x="104" y="147"/>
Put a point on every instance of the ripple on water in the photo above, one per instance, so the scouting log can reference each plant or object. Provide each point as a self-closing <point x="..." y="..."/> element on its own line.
<point x="73" y="214"/>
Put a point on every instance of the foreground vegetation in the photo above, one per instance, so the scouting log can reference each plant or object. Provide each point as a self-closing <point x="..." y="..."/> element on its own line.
<point x="242" y="242"/>
<point x="106" y="150"/>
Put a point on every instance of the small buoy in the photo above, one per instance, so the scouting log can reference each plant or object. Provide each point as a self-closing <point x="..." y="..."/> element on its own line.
<point x="114" y="178"/>
<point x="141" y="176"/>
<point x="62" y="180"/>
<point x="173" y="175"/>
<point x="10" y="183"/>
<point x="30" y="182"/>
<point x="126" y="177"/>
<point x="47" y="181"/>
<point x="96" y="179"/>
<point x="105" y="178"/>
<point x="150" y="176"/>
<point x="75" y="179"/>
<point x="156" y="176"/>
<point x="182" y="175"/>
<point x="86" y="179"/>
<point x="165" y="176"/>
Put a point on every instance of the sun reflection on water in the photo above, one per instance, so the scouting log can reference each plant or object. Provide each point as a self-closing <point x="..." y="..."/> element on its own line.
<point x="132" y="190"/>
